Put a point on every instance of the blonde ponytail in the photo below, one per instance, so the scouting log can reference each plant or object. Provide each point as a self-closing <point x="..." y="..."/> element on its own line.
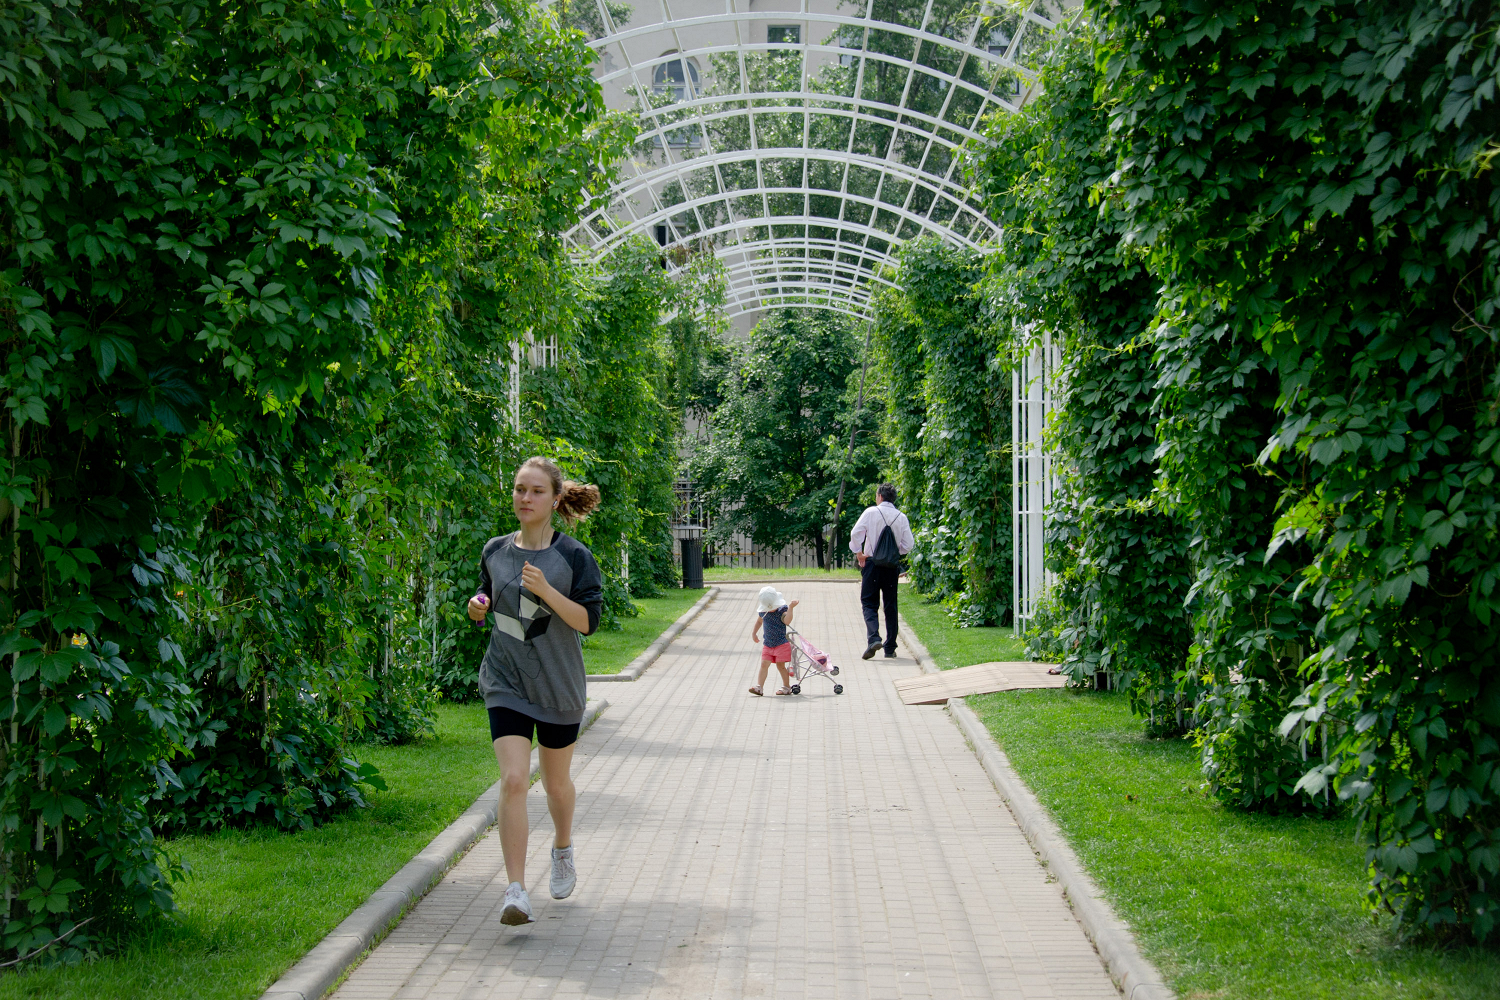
<point x="575" y="501"/>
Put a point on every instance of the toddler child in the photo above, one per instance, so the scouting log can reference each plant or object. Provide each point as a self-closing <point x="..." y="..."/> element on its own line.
<point x="774" y="614"/>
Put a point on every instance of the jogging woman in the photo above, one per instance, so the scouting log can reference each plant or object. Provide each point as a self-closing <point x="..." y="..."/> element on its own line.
<point x="544" y="590"/>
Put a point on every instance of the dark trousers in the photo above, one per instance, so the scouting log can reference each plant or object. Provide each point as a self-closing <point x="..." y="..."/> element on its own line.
<point x="876" y="582"/>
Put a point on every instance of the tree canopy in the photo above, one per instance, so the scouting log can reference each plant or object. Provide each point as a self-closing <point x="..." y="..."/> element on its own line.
<point x="263" y="268"/>
<point x="778" y="442"/>
<point x="1264" y="234"/>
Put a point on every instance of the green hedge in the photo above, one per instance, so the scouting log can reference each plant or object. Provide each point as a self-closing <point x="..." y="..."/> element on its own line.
<point x="1119" y="551"/>
<point x="775" y="449"/>
<point x="946" y="383"/>
<point x="1308" y="187"/>
<point x="263" y="269"/>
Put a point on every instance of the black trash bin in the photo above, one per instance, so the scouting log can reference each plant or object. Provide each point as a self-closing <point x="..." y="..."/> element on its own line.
<point x="690" y="536"/>
<point x="692" y="564"/>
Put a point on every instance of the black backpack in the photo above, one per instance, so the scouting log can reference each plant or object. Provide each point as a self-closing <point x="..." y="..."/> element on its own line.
<point x="886" y="553"/>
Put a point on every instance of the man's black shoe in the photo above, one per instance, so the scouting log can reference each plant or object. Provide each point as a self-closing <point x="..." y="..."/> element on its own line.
<point x="890" y="654"/>
<point x="870" y="650"/>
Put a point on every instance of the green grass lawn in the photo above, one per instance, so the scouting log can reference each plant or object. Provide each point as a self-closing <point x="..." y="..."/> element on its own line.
<point x="611" y="652"/>
<point x="950" y="645"/>
<point x="748" y="575"/>
<point x="257" y="900"/>
<point x="1229" y="905"/>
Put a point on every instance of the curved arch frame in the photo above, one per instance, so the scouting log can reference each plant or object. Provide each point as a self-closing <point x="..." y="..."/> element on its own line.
<point x="675" y="188"/>
<point x="900" y="211"/>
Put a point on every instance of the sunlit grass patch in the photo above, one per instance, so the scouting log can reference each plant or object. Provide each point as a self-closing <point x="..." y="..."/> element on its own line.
<point x="258" y="899"/>
<point x="611" y="652"/>
<point x="950" y="645"/>
<point x="1229" y="905"/>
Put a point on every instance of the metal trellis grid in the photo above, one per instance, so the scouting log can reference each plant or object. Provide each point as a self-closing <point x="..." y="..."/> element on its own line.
<point x="805" y="144"/>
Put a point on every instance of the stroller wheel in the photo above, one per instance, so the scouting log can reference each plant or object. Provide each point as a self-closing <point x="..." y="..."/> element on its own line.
<point x="796" y="689"/>
<point x="838" y="689"/>
<point x="834" y="671"/>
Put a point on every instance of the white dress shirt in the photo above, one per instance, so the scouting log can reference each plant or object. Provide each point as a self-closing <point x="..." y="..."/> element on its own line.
<point x="867" y="529"/>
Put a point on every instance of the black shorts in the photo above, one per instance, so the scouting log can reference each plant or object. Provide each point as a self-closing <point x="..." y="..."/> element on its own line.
<point x="552" y="735"/>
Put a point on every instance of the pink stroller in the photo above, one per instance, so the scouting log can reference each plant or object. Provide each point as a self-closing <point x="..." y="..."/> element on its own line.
<point x="809" y="661"/>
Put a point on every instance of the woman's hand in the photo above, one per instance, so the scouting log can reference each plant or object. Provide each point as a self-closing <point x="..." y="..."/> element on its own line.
<point x="479" y="606"/>
<point x="570" y="611"/>
<point x="536" y="581"/>
<point x="792" y="605"/>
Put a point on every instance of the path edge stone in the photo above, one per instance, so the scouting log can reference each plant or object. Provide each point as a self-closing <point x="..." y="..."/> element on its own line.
<point x="637" y="666"/>
<point x="1132" y="972"/>
<point x="346" y="945"/>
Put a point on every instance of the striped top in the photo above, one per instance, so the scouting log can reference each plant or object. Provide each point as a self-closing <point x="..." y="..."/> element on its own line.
<point x="775" y="629"/>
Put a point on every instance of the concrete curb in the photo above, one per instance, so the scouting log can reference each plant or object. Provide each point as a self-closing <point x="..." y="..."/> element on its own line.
<point x="346" y="945"/>
<point x="638" y="666"/>
<point x="1135" y="976"/>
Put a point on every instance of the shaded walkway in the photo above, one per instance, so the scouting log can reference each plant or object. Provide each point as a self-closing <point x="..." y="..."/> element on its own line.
<point x="732" y="846"/>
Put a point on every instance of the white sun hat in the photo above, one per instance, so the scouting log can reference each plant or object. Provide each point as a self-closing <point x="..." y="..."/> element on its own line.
<point x="770" y="599"/>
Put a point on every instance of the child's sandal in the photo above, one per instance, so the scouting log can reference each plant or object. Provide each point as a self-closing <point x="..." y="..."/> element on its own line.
<point x="755" y="690"/>
<point x="785" y="690"/>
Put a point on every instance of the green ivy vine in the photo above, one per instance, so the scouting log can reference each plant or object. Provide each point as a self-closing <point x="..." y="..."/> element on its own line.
<point x="259" y="264"/>
<point x="1303" y="195"/>
<point x="1119" y="550"/>
<point x="947" y="428"/>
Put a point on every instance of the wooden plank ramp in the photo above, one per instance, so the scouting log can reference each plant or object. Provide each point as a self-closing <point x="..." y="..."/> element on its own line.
<point x="982" y="678"/>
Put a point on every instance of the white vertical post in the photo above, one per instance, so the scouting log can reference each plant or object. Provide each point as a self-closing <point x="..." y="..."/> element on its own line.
<point x="513" y="394"/>
<point x="1031" y="472"/>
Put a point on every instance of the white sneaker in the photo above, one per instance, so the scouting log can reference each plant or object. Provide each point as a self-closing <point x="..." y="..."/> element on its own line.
<point x="564" y="875"/>
<point x="517" y="908"/>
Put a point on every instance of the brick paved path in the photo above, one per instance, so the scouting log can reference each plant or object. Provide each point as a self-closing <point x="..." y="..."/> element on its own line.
<point x="732" y="846"/>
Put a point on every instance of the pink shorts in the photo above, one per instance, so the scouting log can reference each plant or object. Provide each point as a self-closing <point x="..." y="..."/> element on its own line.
<point x="777" y="654"/>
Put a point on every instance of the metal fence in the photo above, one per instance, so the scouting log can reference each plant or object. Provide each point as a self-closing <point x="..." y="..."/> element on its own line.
<point x="740" y="555"/>
<point x="739" y="552"/>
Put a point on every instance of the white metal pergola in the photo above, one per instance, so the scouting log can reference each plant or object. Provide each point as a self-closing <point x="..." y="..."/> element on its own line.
<point x="802" y="141"/>
<point x="1035" y="389"/>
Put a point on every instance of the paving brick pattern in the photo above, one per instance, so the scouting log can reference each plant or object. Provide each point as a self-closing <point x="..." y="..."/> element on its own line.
<point x="730" y="846"/>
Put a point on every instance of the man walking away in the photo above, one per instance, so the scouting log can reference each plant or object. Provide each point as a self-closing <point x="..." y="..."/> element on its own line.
<point x="881" y="536"/>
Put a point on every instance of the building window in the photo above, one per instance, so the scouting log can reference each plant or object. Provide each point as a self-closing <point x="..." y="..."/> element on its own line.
<point x="850" y="38"/>
<point x="684" y="137"/>
<point x="689" y="136"/>
<point x="784" y="34"/>
<point x="672" y="81"/>
<point x="999" y="42"/>
<point x="672" y="230"/>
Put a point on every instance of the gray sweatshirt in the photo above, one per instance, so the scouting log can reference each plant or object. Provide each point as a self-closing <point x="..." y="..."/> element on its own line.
<point x="534" y="663"/>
